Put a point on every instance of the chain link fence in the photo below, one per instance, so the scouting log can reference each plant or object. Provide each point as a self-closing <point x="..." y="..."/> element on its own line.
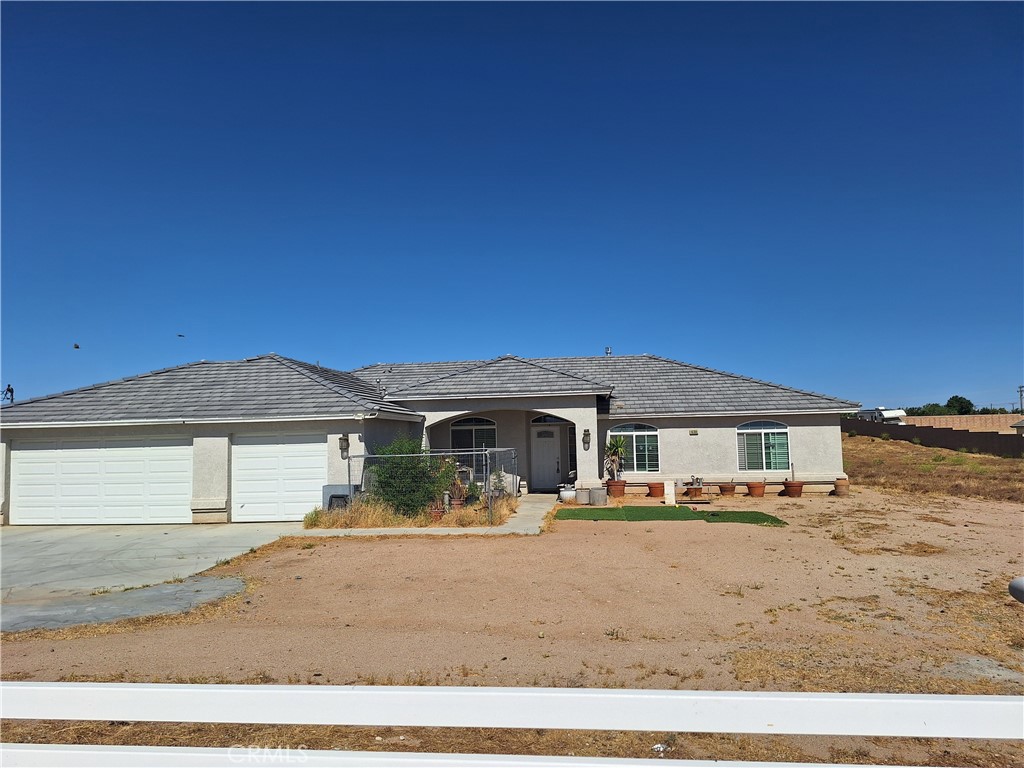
<point x="414" y="482"/>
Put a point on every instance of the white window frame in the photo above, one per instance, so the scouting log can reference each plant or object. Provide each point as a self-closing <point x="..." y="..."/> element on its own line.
<point x="474" y="425"/>
<point x="631" y="431"/>
<point x="761" y="428"/>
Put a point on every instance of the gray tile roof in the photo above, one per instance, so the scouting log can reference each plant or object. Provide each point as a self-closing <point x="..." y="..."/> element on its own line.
<point x="640" y="385"/>
<point x="502" y="377"/>
<point x="266" y="387"/>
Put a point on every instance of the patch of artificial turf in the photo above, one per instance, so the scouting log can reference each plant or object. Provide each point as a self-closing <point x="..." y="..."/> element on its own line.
<point x="754" y="518"/>
<point x="642" y="514"/>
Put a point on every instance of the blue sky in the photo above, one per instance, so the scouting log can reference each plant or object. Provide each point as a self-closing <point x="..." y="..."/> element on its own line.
<point x="828" y="196"/>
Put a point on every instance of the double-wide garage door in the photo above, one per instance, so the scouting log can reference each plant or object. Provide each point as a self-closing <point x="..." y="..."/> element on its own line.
<point x="113" y="481"/>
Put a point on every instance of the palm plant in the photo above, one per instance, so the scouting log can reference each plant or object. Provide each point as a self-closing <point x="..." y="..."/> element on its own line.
<point x="614" y="453"/>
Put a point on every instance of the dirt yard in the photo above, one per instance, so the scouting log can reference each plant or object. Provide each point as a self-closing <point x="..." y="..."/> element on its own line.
<point x="875" y="592"/>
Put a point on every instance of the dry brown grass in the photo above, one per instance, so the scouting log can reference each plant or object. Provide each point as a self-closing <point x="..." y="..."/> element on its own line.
<point x="367" y="512"/>
<point x="894" y="465"/>
<point x="526" y="741"/>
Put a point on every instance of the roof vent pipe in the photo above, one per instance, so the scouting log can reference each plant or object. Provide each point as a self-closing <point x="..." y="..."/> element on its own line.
<point x="607" y="351"/>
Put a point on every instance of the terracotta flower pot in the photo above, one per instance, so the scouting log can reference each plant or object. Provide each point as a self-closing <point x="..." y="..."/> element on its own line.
<point x="436" y="515"/>
<point x="695" y="492"/>
<point x="456" y="503"/>
<point x="616" y="488"/>
<point x="656" y="490"/>
<point x="727" y="489"/>
<point x="793" y="488"/>
<point x="755" y="489"/>
<point x="842" y="487"/>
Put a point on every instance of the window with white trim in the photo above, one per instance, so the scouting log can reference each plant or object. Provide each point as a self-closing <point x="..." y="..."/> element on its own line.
<point x="641" y="447"/>
<point x="473" y="433"/>
<point x="762" y="445"/>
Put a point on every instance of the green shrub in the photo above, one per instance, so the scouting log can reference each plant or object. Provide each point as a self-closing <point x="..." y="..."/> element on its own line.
<point x="312" y="518"/>
<point x="408" y="478"/>
<point x="916" y="441"/>
<point x="884" y="435"/>
<point x="852" y="433"/>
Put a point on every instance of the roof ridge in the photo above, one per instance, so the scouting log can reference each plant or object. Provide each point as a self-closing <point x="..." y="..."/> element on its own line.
<point x="748" y="378"/>
<point x="571" y="375"/>
<point x="425" y="362"/>
<point x="91" y="387"/>
<point x="434" y="379"/>
<point x="297" y="366"/>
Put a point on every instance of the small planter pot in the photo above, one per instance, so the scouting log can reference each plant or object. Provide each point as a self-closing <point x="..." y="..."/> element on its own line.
<point x="436" y="515"/>
<point x="755" y="489"/>
<point x="842" y="487"/>
<point x="656" y="490"/>
<point x="727" y="489"/>
<point x="793" y="488"/>
<point x="583" y="495"/>
<point x="695" y="492"/>
<point x="457" y="503"/>
<point x="616" y="488"/>
<point x="567" y="494"/>
<point x="598" y="497"/>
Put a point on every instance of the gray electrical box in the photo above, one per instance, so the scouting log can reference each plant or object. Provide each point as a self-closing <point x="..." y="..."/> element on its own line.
<point x="341" y="495"/>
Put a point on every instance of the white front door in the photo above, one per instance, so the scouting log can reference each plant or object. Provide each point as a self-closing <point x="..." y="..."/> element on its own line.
<point x="277" y="477"/>
<point x="545" y="458"/>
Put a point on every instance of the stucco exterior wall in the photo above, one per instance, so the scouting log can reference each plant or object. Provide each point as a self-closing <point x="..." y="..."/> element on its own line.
<point x="512" y="417"/>
<point x="5" y="480"/>
<point x="815" y="446"/>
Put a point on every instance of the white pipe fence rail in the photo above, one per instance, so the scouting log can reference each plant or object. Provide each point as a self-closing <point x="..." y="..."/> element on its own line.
<point x="809" y="714"/>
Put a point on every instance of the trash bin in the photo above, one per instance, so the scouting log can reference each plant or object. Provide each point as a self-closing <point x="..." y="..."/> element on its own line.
<point x="598" y="497"/>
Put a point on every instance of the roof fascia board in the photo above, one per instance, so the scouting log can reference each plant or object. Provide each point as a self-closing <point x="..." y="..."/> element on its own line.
<point x="706" y="414"/>
<point x="486" y="396"/>
<point x="249" y="420"/>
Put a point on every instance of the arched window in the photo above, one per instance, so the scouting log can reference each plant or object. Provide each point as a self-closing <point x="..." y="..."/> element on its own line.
<point x="641" y="447"/>
<point x="549" y="419"/>
<point x="472" y="433"/>
<point x="762" y="445"/>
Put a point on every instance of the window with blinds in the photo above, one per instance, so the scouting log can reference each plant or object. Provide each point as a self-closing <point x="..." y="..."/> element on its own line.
<point x="762" y="445"/>
<point x="474" y="433"/>
<point x="641" y="447"/>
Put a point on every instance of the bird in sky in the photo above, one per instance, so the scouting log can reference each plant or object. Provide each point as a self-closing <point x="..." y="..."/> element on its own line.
<point x="181" y="335"/>
<point x="77" y="347"/>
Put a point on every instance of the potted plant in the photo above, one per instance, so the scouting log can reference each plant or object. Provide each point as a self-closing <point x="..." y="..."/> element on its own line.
<point x="755" y="488"/>
<point x="793" y="487"/>
<point x="727" y="489"/>
<point x="614" y="452"/>
<point x="656" y="490"/>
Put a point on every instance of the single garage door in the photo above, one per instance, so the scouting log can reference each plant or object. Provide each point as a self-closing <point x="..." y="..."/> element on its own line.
<point x="277" y="477"/>
<point x="112" y="481"/>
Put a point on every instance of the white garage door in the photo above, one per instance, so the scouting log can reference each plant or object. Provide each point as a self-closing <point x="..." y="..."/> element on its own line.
<point x="277" y="477"/>
<point x="112" y="481"/>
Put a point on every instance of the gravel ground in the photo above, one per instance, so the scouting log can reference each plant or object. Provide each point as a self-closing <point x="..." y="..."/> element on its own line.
<point x="875" y="592"/>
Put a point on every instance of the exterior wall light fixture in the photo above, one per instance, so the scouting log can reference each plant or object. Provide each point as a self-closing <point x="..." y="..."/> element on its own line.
<point x="343" y="444"/>
<point x="586" y="439"/>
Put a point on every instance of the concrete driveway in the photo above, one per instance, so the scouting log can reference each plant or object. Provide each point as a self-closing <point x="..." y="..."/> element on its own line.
<point x="40" y="563"/>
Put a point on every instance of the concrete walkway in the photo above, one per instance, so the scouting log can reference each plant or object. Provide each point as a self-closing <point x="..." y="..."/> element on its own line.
<point x="59" y="576"/>
<point x="176" y="597"/>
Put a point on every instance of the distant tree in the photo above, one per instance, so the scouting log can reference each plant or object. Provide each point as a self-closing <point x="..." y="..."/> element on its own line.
<point x="929" y="409"/>
<point x="991" y="410"/>
<point x="960" y="405"/>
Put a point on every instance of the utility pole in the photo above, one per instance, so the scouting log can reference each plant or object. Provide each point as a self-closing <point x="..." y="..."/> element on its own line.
<point x="1020" y="394"/>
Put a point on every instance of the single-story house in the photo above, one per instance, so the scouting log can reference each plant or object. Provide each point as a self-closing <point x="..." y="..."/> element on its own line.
<point x="258" y="439"/>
